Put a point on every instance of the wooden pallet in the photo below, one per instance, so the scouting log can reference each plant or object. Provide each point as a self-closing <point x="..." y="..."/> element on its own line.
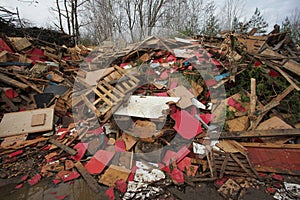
<point x="110" y="92"/>
<point x="233" y="164"/>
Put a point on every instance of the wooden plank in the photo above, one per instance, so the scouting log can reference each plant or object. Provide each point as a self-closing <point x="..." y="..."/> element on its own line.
<point x="109" y="93"/>
<point x="271" y="145"/>
<point x="230" y="163"/>
<point x="13" y="82"/>
<point x="114" y="90"/>
<point x="92" y="183"/>
<point x="292" y="66"/>
<point x="235" y="173"/>
<point x="125" y="85"/>
<point x="33" y="86"/>
<point x="231" y="167"/>
<point x="232" y="146"/>
<point x="224" y="164"/>
<point x="259" y="133"/>
<point x="3" y="56"/>
<point x="127" y="74"/>
<point x="287" y="78"/>
<point x="253" y="96"/>
<point x="210" y="160"/>
<point x="273" y="103"/>
<point x="252" y="167"/>
<point x="17" y="123"/>
<point x="120" y="88"/>
<point x="274" y="123"/>
<point x="90" y="105"/>
<point x="103" y="97"/>
<point x="21" y="144"/>
<point x="67" y="149"/>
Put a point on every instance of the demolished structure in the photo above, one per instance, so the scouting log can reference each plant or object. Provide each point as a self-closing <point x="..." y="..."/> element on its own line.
<point x="158" y="114"/>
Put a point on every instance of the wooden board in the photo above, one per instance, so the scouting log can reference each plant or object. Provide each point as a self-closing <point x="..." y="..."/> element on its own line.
<point x="278" y="160"/>
<point x="92" y="183"/>
<point x="17" y="123"/>
<point x="292" y="66"/>
<point x="20" y="43"/>
<point x="12" y="82"/>
<point x="274" y="123"/>
<point x="232" y="146"/>
<point x="259" y="133"/>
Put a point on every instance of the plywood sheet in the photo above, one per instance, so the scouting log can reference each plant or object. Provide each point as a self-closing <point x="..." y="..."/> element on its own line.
<point x="275" y="160"/>
<point x="17" y="123"/>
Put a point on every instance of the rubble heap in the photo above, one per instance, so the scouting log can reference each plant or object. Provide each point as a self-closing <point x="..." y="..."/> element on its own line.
<point x="157" y="114"/>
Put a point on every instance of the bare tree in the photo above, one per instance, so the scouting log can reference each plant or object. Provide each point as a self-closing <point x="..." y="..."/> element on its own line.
<point x="59" y="16"/>
<point x="69" y="15"/>
<point x="135" y="19"/>
<point x="231" y="10"/>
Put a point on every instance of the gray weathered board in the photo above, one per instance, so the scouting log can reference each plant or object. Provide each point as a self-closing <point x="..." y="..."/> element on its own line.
<point x="17" y="123"/>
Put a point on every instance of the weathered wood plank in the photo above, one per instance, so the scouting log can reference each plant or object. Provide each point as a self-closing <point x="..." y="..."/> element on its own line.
<point x="92" y="183"/>
<point x="67" y="149"/>
<point x="13" y="82"/>
<point x="259" y="133"/>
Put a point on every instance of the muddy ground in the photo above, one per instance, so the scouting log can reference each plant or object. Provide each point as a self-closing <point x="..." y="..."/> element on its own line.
<point x="79" y="190"/>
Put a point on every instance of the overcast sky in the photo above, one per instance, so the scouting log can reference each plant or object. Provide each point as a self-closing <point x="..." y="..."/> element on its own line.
<point x="39" y="14"/>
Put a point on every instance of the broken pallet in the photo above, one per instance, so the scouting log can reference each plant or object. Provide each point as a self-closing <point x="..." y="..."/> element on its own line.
<point x="110" y="93"/>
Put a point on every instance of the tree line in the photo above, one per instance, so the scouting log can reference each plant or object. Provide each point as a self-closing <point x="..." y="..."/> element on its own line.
<point x="95" y="21"/>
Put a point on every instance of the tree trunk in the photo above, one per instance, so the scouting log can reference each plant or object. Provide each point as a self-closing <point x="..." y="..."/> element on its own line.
<point x="73" y="18"/>
<point x="59" y="17"/>
<point x="68" y="17"/>
<point x="77" y="35"/>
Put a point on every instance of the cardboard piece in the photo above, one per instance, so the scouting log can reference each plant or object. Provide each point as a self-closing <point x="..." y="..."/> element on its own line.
<point x="92" y="77"/>
<point x="184" y="94"/>
<point x="129" y="141"/>
<point x="113" y="174"/>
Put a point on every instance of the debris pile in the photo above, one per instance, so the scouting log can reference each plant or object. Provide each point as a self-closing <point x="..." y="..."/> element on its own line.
<point x="150" y="119"/>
